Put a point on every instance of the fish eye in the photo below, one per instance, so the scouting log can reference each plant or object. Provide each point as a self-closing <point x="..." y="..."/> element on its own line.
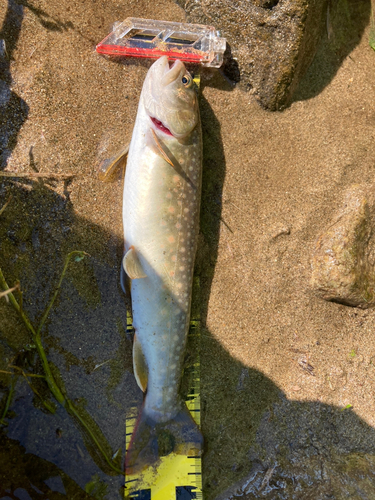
<point x="187" y="80"/>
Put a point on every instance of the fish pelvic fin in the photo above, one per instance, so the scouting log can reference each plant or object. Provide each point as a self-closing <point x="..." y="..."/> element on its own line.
<point x="152" y="440"/>
<point x="132" y="266"/>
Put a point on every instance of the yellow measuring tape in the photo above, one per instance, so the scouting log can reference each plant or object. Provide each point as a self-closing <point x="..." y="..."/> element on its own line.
<point x="176" y="476"/>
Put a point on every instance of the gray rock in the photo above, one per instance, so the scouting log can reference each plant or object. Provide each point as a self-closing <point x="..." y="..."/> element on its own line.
<point x="343" y="260"/>
<point x="272" y="41"/>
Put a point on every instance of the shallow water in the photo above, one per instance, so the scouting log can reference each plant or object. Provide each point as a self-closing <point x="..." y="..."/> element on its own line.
<point x="279" y="367"/>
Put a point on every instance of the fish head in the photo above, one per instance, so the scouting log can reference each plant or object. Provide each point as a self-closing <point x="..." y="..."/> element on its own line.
<point x="170" y="98"/>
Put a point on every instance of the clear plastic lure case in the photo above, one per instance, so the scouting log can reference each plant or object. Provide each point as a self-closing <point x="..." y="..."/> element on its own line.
<point x="194" y="43"/>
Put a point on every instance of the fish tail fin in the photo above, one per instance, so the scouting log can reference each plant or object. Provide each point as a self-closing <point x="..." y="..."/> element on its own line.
<point x="152" y="440"/>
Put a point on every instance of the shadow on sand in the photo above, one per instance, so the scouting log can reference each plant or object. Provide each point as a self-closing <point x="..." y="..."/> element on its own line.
<point x="13" y="109"/>
<point x="345" y="24"/>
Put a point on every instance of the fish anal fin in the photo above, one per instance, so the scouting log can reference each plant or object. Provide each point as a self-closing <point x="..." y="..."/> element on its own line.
<point x="132" y="266"/>
<point x="124" y="281"/>
<point x="139" y="365"/>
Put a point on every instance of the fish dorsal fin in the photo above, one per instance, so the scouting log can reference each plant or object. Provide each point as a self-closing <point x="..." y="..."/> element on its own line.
<point x="139" y="365"/>
<point x="132" y="266"/>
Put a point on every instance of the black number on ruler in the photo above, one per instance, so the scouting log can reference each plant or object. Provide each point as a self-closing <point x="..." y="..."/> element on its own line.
<point x="141" y="495"/>
<point x="185" y="492"/>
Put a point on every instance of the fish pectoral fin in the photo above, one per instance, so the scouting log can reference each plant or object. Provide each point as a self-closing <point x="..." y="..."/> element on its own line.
<point x="161" y="149"/>
<point x="139" y="365"/>
<point x="132" y="266"/>
<point x="107" y="168"/>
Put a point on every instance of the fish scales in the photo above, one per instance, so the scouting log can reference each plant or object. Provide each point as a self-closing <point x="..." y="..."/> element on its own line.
<point x="162" y="226"/>
<point x="161" y="223"/>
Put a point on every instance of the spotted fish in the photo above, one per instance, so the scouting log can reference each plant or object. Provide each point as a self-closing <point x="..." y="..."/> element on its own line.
<point x="161" y="220"/>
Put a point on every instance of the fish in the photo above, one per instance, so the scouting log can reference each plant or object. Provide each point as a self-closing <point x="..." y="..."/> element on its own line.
<point x="161" y="204"/>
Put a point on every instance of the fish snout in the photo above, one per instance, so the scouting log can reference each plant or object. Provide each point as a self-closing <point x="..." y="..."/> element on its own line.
<point x="173" y="73"/>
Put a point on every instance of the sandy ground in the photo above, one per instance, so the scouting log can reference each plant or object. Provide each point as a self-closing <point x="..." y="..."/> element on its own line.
<point x="272" y="183"/>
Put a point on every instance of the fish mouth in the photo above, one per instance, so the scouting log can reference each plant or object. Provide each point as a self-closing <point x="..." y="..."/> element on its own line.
<point x="159" y="125"/>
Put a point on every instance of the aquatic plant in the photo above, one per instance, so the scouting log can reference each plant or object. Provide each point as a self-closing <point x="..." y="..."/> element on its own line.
<point x="94" y="439"/>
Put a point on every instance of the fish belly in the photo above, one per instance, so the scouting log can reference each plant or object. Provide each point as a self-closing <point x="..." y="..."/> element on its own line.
<point x="161" y="222"/>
